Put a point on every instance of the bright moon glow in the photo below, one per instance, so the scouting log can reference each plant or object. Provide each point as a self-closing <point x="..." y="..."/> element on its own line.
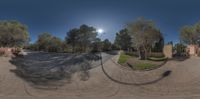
<point x="100" y="31"/>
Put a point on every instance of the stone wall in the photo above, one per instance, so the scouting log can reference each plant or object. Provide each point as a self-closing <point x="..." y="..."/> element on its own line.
<point x="6" y="51"/>
<point x="192" y="50"/>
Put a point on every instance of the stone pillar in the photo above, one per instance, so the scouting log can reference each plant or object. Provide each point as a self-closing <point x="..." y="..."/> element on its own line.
<point x="167" y="50"/>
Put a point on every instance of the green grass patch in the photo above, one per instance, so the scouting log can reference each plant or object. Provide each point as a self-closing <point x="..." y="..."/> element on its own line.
<point x="123" y="58"/>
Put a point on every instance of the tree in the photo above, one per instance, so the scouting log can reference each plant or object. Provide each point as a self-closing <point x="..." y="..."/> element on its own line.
<point x="144" y="34"/>
<point x="13" y="34"/>
<point x="81" y="38"/>
<point x="158" y="47"/>
<point x="190" y="34"/>
<point x="72" y="38"/>
<point x="87" y="36"/>
<point x="180" y="48"/>
<point x="96" y="45"/>
<point x="44" y="41"/>
<point x="123" y="39"/>
<point x="47" y="42"/>
<point x="55" y="45"/>
<point x="107" y="45"/>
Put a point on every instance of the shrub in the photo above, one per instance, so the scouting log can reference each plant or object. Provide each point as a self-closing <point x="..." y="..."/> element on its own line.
<point x="156" y="55"/>
<point x="16" y="51"/>
<point x="134" y="54"/>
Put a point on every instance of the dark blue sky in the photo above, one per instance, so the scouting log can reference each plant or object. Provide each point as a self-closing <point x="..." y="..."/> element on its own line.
<point x="58" y="16"/>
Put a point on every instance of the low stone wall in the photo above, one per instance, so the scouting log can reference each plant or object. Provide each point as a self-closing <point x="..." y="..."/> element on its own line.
<point x="8" y="51"/>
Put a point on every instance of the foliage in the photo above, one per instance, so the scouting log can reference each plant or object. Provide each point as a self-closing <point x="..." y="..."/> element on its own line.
<point x="158" y="46"/>
<point x="13" y="34"/>
<point x="180" y="48"/>
<point x="156" y="54"/>
<point x="33" y="47"/>
<point x="107" y="45"/>
<point x="96" y="45"/>
<point x="190" y="34"/>
<point x="134" y="54"/>
<point x="47" y="42"/>
<point x="144" y="35"/>
<point x="72" y="38"/>
<point x="115" y="47"/>
<point x="123" y="39"/>
<point x="82" y="38"/>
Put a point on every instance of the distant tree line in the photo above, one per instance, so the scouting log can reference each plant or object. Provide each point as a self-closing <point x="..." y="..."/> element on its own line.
<point x="141" y="35"/>
<point x="82" y="39"/>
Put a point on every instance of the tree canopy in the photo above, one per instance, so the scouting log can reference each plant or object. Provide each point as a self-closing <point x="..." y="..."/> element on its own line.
<point x="13" y="34"/>
<point x="123" y="39"/>
<point x="144" y="35"/>
<point x="47" y="42"/>
<point x="81" y="38"/>
<point x="107" y="45"/>
<point x="190" y="34"/>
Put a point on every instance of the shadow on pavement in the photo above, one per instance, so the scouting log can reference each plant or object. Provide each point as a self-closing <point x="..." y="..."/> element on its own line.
<point x="179" y="58"/>
<point x="112" y="52"/>
<point x="164" y="75"/>
<point x="52" y="68"/>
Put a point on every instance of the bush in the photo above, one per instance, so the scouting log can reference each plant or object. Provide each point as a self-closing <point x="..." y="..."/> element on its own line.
<point x="156" y="55"/>
<point x="16" y="51"/>
<point x="134" y="54"/>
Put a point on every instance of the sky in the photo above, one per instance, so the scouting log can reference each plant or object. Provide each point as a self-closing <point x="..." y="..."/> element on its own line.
<point x="59" y="16"/>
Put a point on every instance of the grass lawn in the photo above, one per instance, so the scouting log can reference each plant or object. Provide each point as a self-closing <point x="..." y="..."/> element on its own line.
<point x="123" y="58"/>
<point x="137" y="64"/>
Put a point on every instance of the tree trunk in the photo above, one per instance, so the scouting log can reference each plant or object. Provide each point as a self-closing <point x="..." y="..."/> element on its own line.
<point x="139" y="55"/>
<point x="143" y="53"/>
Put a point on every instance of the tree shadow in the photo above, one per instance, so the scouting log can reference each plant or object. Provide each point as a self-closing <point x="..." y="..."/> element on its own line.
<point x="53" y="68"/>
<point x="180" y="58"/>
<point x="162" y="76"/>
<point x="112" y="52"/>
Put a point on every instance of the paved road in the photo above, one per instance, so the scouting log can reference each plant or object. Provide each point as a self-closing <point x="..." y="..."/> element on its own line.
<point x="182" y="83"/>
